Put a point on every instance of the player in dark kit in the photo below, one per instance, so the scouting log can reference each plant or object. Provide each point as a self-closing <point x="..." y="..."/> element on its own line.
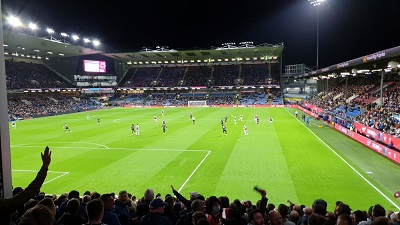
<point x="164" y="127"/>
<point x="224" y="130"/>
<point x="66" y="128"/>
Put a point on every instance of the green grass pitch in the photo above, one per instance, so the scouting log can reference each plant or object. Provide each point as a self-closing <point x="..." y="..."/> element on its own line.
<point x="288" y="159"/>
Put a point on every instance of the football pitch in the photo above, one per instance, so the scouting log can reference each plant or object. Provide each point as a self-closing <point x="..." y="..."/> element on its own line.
<point x="288" y="159"/>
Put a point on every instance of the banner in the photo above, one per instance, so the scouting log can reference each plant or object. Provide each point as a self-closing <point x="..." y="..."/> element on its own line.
<point x="377" y="147"/>
<point x="377" y="135"/>
<point x="313" y="108"/>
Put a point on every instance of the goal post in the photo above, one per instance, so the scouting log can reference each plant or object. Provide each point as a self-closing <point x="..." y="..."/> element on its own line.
<point x="197" y="103"/>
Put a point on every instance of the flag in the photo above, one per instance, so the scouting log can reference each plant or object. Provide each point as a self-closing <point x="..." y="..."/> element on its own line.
<point x="397" y="194"/>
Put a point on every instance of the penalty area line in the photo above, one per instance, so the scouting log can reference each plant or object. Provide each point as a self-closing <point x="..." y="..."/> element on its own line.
<point x="59" y="176"/>
<point x="194" y="171"/>
<point x="348" y="164"/>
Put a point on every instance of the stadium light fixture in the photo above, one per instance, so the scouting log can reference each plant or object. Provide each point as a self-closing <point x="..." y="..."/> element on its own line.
<point x="75" y="37"/>
<point x="51" y="32"/>
<point x="64" y="34"/>
<point x="86" y="40"/>
<point x="33" y="26"/>
<point x="14" y="21"/>
<point x="96" y="42"/>
<point x="317" y="3"/>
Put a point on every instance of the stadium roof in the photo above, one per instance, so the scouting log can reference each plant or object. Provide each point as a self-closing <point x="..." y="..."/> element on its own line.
<point x="38" y="47"/>
<point x="387" y="60"/>
<point x="260" y="52"/>
<point x="23" y="44"/>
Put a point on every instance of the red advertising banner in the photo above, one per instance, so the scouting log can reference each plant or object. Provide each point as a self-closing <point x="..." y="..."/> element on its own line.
<point x="313" y="108"/>
<point x="315" y="115"/>
<point x="377" y="135"/>
<point x="377" y="147"/>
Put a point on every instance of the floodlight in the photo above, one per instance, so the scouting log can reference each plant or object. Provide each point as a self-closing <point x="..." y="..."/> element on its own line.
<point x="393" y="64"/>
<point x="86" y="40"/>
<point x="96" y="42"/>
<point x="315" y="2"/>
<point x="75" y="37"/>
<point x="14" y="21"/>
<point x="50" y="31"/>
<point x="64" y="34"/>
<point x="33" y="26"/>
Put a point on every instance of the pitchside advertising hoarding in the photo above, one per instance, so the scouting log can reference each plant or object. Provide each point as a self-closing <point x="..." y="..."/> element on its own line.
<point x="377" y="147"/>
<point x="377" y="135"/>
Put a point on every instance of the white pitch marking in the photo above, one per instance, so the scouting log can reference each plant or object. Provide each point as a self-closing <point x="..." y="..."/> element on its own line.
<point x="183" y="185"/>
<point x="131" y="149"/>
<point x="82" y="143"/>
<point x="62" y="174"/>
<point x="359" y="174"/>
<point x="30" y="146"/>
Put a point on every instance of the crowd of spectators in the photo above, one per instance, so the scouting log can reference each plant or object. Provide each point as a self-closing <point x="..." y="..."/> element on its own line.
<point x="362" y="96"/>
<point x="180" y="100"/>
<point x="382" y="117"/>
<point x="30" y="75"/>
<point x="31" y="207"/>
<point x="225" y="75"/>
<point x="38" y="106"/>
<point x="198" y="75"/>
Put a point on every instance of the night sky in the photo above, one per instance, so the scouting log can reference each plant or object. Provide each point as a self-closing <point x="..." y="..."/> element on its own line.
<point x="348" y="28"/>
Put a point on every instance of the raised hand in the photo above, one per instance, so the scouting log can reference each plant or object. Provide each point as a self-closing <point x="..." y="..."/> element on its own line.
<point x="46" y="157"/>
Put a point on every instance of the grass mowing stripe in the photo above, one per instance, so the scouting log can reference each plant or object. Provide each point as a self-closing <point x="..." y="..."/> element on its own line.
<point x="348" y="164"/>
<point x="194" y="171"/>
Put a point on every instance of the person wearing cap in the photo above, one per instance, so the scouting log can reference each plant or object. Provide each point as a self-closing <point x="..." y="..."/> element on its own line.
<point x="155" y="216"/>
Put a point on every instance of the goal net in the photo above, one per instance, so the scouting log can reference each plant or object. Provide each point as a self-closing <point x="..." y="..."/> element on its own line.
<point x="197" y="103"/>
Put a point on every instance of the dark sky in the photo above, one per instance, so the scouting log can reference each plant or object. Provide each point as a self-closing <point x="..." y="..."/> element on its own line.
<point x="348" y="28"/>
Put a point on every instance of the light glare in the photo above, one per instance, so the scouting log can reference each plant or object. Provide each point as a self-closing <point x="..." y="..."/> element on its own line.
<point x="14" y="21"/>
<point x="316" y="2"/>
<point x="33" y="26"/>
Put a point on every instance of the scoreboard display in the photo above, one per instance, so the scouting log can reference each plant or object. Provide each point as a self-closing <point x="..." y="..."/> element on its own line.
<point x="94" y="66"/>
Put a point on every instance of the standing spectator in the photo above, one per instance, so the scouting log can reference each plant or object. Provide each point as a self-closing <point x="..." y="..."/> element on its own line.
<point x="95" y="212"/>
<point x="72" y="216"/>
<point x="39" y="214"/>
<point x="122" y="208"/>
<point x="275" y="218"/>
<point x="155" y="216"/>
<point x="196" y="206"/>
<point x="143" y="208"/>
<point x="256" y="217"/>
<point x="10" y="205"/>
<point x="109" y="217"/>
